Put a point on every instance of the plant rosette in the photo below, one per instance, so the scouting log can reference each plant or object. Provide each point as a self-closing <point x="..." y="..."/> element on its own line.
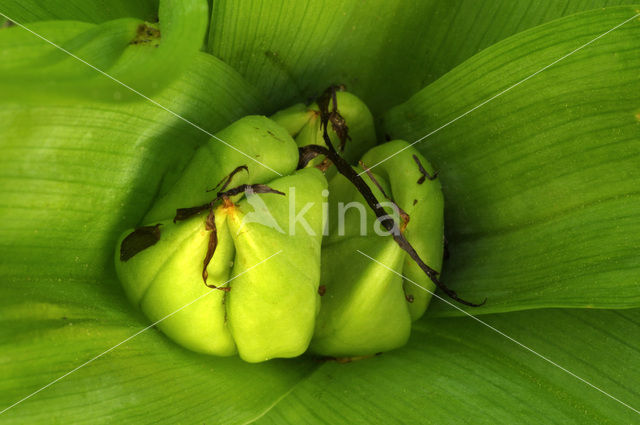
<point x="196" y="267"/>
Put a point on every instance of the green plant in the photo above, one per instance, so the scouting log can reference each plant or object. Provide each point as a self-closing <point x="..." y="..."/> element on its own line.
<point x="539" y="183"/>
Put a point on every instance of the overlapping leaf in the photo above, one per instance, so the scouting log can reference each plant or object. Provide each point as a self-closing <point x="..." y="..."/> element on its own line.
<point x="383" y="50"/>
<point x="541" y="183"/>
<point x="146" y="56"/>
<point x="459" y="371"/>
<point x="73" y="175"/>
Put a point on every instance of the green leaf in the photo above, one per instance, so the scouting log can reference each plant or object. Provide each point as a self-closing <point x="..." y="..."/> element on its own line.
<point x="541" y="182"/>
<point x="142" y="55"/>
<point x="73" y="175"/>
<point x="95" y="11"/>
<point x="459" y="371"/>
<point x="146" y="380"/>
<point x="383" y="50"/>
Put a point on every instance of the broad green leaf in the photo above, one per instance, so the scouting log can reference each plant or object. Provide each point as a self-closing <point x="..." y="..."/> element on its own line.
<point x="383" y="50"/>
<point x="541" y="182"/>
<point x="456" y="370"/>
<point x="145" y="56"/>
<point x="146" y="380"/>
<point x="95" y="11"/>
<point x="73" y="175"/>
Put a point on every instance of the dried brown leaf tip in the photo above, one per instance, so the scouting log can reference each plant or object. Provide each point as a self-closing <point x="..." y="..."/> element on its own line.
<point x="425" y="174"/>
<point x="403" y="214"/>
<point x="338" y="123"/>
<point x="210" y="226"/>
<point x="139" y="240"/>
<point x="305" y="155"/>
<point x="185" y="213"/>
<point x="309" y="152"/>
<point x="222" y="197"/>
<point x="227" y="179"/>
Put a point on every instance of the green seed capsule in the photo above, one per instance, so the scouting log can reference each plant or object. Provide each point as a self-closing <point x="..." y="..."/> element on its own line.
<point x="294" y="118"/>
<point x="363" y="309"/>
<point x="250" y="137"/>
<point x="366" y="307"/>
<point x="168" y="276"/>
<point x="270" y="309"/>
<point x="303" y="123"/>
<point x="416" y="188"/>
<point x="197" y="267"/>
